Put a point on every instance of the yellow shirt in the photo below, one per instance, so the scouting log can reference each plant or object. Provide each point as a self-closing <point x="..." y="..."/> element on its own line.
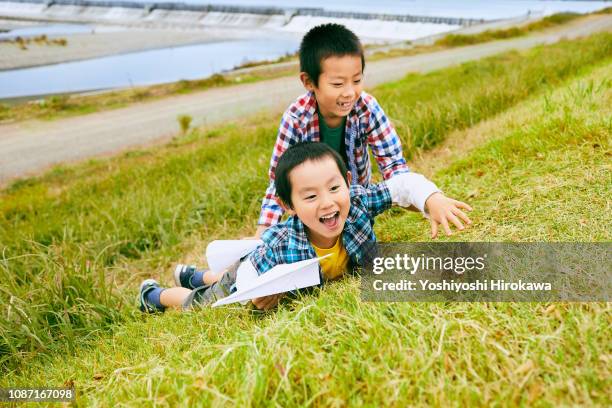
<point x="333" y="266"/>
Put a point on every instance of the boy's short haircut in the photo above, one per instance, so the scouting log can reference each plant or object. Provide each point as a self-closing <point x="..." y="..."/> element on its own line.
<point x="324" y="41"/>
<point x="296" y="155"/>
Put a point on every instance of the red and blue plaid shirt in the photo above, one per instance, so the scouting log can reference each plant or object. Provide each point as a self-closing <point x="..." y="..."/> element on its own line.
<point x="287" y="242"/>
<point x="366" y="125"/>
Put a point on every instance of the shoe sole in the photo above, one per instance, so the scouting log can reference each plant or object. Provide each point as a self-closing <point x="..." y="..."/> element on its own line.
<point x="177" y="274"/>
<point x="146" y="283"/>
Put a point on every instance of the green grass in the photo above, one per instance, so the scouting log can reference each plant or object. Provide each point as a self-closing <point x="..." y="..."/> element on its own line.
<point x="425" y="109"/>
<point x="78" y="240"/>
<point x="458" y="40"/>
<point x="330" y="348"/>
<point x="62" y="106"/>
<point x="74" y="234"/>
<point x="544" y="177"/>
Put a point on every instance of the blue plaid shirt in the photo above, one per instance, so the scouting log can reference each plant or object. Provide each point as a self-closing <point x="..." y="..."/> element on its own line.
<point x="287" y="242"/>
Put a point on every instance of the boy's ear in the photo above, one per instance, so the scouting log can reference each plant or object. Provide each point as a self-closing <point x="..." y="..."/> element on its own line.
<point x="285" y="207"/>
<point x="349" y="178"/>
<point x="306" y="81"/>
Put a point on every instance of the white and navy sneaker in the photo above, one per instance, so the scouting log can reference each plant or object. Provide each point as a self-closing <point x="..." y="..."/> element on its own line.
<point x="145" y="287"/>
<point x="183" y="274"/>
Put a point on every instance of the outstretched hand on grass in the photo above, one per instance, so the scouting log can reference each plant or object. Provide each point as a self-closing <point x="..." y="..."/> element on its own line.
<point x="267" y="302"/>
<point x="446" y="211"/>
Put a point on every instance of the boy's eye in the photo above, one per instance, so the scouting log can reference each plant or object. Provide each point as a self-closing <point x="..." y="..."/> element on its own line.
<point x="335" y="188"/>
<point x="337" y="85"/>
<point x="357" y="81"/>
<point x="310" y="197"/>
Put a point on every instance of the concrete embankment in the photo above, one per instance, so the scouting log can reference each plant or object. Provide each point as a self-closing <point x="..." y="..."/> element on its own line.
<point x="370" y="26"/>
<point x="138" y="26"/>
<point x="197" y="15"/>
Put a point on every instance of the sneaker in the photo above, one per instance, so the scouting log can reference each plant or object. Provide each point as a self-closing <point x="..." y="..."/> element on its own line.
<point x="145" y="287"/>
<point x="183" y="274"/>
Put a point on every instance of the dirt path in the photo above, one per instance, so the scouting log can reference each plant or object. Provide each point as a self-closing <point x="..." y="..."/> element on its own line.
<point x="29" y="147"/>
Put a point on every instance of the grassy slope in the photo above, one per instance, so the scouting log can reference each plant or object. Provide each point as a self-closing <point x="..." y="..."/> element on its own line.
<point x="77" y="237"/>
<point x="455" y="40"/>
<point x="331" y="348"/>
<point x="357" y="367"/>
<point x="544" y="197"/>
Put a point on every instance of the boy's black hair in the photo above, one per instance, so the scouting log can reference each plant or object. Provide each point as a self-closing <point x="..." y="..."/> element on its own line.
<point x="324" y="41"/>
<point x="296" y="155"/>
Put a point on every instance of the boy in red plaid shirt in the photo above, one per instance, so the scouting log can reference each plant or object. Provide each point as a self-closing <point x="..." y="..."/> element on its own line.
<point x="337" y="112"/>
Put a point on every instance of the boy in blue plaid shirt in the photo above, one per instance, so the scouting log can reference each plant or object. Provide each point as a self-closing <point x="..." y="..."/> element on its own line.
<point x="328" y="216"/>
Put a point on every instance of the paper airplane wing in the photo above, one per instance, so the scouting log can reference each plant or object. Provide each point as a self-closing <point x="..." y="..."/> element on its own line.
<point x="280" y="279"/>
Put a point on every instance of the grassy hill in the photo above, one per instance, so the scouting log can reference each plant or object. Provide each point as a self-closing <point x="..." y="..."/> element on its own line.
<point x="523" y="137"/>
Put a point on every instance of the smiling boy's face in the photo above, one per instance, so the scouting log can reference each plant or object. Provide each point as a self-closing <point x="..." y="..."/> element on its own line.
<point x="340" y="84"/>
<point x="321" y="199"/>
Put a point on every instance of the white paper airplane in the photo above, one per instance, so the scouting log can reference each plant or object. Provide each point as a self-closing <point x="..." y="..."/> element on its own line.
<point x="280" y="279"/>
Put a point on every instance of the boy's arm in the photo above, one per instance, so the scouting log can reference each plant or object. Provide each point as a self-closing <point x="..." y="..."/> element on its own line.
<point x="411" y="190"/>
<point x="408" y="190"/>
<point x="271" y="212"/>
<point x="376" y="198"/>
<point x="384" y="142"/>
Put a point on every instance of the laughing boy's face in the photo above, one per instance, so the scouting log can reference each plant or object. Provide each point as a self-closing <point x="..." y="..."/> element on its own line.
<point x="339" y="86"/>
<point x="321" y="200"/>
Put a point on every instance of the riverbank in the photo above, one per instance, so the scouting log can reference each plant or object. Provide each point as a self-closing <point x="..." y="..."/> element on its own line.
<point x="98" y="50"/>
<point x="104" y="41"/>
<point x="119" y="27"/>
<point x="107" y="40"/>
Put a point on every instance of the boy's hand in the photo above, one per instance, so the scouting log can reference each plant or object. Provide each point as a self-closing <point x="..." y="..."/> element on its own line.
<point x="442" y="209"/>
<point x="267" y="302"/>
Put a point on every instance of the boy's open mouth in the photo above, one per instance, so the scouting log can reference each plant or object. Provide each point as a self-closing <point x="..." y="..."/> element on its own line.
<point x="331" y="220"/>
<point x="345" y="105"/>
